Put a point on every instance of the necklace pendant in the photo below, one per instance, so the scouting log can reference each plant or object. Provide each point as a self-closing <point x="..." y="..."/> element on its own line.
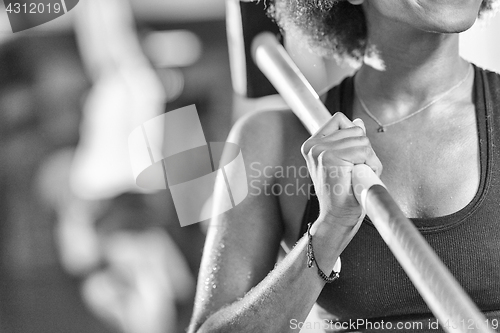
<point x="381" y="129"/>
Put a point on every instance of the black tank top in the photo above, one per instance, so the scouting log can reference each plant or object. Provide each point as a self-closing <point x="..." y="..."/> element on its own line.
<point x="373" y="285"/>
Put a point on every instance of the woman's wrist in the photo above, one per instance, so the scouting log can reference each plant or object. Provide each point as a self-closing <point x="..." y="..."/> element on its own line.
<point x="347" y="217"/>
<point x="329" y="240"/>
<point x="311" y="260"/>
<point x="334" y="224"/>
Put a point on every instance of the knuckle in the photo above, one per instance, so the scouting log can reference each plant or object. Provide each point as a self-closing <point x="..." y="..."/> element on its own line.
<point x="379" y="164"/>
<point x="380" y="168"/>
<point x="363" y="140"/>
<point x="358" y="131"/>
<point x="325" y="157"/>
<point x="330" y="160"/>
<point x="304" y="149"/>
<point x="316" y="151"/>
<point x="339" y="115"/>
<point x="307" y="145"/>
<point x="367" y="151"/>
<point x="329" y="154"/>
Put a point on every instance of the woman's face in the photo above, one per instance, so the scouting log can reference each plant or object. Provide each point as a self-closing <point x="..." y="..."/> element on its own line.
<point x="440" y="16"/>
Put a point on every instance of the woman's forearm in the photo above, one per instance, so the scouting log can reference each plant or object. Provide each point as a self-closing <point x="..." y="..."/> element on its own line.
<point x="288" y="292"/>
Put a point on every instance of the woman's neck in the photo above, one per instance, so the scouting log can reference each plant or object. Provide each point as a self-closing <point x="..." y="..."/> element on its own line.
<point x="419" y="66"/>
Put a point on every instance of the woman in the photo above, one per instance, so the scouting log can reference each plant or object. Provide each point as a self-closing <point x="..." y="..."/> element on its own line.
<point x="422" y="112"/>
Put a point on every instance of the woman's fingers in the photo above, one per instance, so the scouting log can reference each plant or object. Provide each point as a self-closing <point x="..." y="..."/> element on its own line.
<point x="349" y="144"/>
<point x="358" y="141"/>
<point x="338" y="121"/>
<point x="330" y="155"/>
<point x="360" y="155"/>
<point x="352" y="150"/>
<point x="350" y="156"/>
<point x="335" y="136"/>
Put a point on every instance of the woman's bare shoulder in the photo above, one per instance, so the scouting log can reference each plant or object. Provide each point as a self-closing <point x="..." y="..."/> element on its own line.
<point x="268" y="135"/>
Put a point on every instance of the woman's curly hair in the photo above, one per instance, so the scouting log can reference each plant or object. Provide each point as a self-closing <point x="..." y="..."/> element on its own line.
<point x="333" y="28"/>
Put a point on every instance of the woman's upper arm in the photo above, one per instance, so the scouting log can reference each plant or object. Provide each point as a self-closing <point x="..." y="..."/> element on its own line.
<point x="242" y="244"/>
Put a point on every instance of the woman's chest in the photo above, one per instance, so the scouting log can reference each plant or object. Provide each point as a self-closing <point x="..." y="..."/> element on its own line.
<point x="430" y="175"/>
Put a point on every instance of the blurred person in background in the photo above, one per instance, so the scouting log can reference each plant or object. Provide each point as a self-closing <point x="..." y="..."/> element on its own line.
<point x="41" y="84"/>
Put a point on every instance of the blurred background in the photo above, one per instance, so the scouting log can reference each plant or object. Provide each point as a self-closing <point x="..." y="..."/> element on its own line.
<point x="82" y="249"/>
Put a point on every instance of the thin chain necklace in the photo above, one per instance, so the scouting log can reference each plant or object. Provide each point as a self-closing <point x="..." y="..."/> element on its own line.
<point x="383" y="128"/>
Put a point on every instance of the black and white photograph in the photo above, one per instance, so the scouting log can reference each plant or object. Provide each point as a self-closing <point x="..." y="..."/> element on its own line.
<point x="249" y="166"/>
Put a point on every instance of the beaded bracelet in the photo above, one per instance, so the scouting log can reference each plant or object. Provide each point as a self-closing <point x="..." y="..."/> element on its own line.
<point x="311" y="259"/>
